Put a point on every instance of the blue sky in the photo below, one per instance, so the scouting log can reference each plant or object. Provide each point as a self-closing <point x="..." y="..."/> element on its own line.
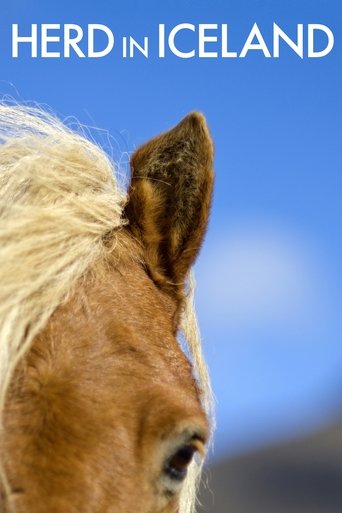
<point x="269" y="277"/>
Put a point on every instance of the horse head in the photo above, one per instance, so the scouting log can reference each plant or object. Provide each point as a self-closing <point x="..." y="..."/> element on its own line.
<point x="103" y="412"/>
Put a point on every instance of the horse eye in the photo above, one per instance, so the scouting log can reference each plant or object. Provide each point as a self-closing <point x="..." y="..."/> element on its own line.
<point x="177" y="466"/>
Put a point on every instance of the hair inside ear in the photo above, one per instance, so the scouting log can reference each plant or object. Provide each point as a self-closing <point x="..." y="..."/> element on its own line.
<point x="169" y="198"/>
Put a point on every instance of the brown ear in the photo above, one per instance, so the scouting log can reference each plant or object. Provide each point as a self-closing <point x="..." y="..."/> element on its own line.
<point x="169" y="199"/>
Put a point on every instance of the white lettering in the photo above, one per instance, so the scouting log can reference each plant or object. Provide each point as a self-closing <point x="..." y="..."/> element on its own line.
<point x="49" y="39"/>
<point x="260" y="45"/>
<point x="133" y="44"/>
<point x="225" y="52"/>
<point x="91" y="40"/>
<point x="312" y="27"/>
<point x="279" y="33"/>
<point x="206" y="39"/>
<point x="162" y="40"/>
<point x="24" y="39"/>
<point x="71" y="42"/>
<point x="172" y="35"/>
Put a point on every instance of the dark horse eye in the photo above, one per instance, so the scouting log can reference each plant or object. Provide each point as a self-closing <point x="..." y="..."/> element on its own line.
<point x="177" y="466"/>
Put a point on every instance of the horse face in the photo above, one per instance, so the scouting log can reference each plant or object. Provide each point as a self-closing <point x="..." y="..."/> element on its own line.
<point x="103" y="414"/>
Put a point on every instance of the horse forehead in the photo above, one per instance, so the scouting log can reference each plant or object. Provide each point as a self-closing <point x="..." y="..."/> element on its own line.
<point x="140" y="321"/>
<point x="138" y="300"/>
<point x="126" y="296"/>
<point x="124" y="322"/>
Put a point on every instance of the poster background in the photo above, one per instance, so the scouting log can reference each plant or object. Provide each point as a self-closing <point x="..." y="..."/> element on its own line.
<point x="269" y="276"/>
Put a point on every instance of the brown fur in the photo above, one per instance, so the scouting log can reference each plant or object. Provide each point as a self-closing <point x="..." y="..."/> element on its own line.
<point x="105" y="395"/>
<point x="170" y="196"/>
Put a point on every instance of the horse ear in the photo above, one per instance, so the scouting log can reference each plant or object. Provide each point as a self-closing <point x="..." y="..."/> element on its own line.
<point x="169" y="199"/>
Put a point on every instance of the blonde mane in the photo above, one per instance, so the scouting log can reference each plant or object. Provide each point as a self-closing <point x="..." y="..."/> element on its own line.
<point x="59" y="202"/>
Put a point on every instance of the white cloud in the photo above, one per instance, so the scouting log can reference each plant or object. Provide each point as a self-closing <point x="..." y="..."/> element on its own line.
<point x="259" y="274"/>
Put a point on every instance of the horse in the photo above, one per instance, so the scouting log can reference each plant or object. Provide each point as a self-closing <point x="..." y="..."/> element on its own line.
<point x="105" y="400"/>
